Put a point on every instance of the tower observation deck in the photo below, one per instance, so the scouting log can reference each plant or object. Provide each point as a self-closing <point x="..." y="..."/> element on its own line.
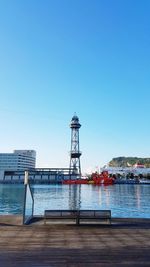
<point x="75" y="152"/>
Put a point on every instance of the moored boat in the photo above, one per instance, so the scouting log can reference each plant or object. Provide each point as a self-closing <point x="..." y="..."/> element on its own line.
<point x="102" y="178"/>
<point x="96" y="179"/>
<point x="78" y="181"/>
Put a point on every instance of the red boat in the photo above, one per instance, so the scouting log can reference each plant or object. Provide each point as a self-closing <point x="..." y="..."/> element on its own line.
<point x="102" y="178"/>
<point x="78" y="181"/>
<point x="96" y="178"/>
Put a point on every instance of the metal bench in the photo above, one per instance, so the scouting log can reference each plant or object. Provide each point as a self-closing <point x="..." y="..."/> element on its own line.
<point x="78" y="215"/>
<point x="60" y="214"/>
<point x="104" y="215"/>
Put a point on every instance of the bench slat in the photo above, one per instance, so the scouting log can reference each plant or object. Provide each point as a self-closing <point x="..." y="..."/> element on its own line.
<point x="78" y="215"/>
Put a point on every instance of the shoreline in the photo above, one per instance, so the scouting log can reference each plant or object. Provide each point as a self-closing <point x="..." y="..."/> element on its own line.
<point x="53" y="183"/>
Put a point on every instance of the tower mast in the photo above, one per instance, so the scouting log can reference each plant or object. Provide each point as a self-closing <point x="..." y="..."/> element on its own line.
<point x="75" y="152"/>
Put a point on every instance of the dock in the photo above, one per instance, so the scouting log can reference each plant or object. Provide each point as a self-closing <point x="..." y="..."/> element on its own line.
<point x="124" y="243"/>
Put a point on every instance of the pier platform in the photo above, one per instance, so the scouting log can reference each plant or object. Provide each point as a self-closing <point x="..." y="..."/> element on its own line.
<point x="124" y="243"/>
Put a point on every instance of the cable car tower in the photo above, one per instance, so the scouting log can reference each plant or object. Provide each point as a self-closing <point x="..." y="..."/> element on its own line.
<point x="75" y="152"/>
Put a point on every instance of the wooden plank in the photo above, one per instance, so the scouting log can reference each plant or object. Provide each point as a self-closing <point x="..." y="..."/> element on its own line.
<point x="69" y="245"/>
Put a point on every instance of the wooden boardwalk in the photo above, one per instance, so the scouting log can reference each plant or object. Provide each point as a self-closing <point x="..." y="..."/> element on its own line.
<point x="69" y="245"/>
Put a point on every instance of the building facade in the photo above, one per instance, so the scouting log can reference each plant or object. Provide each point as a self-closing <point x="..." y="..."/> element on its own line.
<point x="18" y="160"/>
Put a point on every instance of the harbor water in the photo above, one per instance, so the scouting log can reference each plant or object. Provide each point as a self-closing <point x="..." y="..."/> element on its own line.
<point x="124" y="200"/>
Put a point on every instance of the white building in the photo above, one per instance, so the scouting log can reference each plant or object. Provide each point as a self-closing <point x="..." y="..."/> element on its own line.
<point x="18" y="160"/>
<point x="136" y="170"/>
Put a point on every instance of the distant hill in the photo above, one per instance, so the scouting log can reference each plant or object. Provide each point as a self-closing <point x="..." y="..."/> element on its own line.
<point x="127" y="161"/>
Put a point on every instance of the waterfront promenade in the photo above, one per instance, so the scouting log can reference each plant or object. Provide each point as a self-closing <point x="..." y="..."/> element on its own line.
<point x="124" y="243"/>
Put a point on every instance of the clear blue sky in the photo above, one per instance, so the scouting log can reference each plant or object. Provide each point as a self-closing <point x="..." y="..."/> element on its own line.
<point x="91" y="57"/>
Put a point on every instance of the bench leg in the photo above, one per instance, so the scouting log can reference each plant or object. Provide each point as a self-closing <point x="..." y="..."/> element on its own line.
<point x="77" y="221"/>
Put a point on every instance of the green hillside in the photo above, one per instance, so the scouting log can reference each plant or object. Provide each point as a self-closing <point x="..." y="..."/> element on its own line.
<point x="126" y="161"/>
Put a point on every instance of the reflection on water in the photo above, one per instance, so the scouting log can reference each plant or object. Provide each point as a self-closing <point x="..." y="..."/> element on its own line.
<point x="56" y="197"/>
<point x="123" y="200"/>
<point x="129" y="200"/>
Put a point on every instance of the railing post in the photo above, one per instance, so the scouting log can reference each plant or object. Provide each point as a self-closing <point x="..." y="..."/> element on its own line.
<point x="27" y="192"/>
<point x="26" y="178"/>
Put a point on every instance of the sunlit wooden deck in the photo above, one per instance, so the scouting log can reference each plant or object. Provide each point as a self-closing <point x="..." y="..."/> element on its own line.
<point x="68" y="245"/>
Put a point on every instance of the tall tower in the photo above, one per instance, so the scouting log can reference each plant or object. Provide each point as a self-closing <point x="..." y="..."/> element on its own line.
<point x="75" y="152"/>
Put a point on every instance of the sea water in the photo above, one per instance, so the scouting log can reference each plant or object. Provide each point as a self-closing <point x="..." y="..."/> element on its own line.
<point x="11" y="198"/>
<point x="124" y="200"/>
